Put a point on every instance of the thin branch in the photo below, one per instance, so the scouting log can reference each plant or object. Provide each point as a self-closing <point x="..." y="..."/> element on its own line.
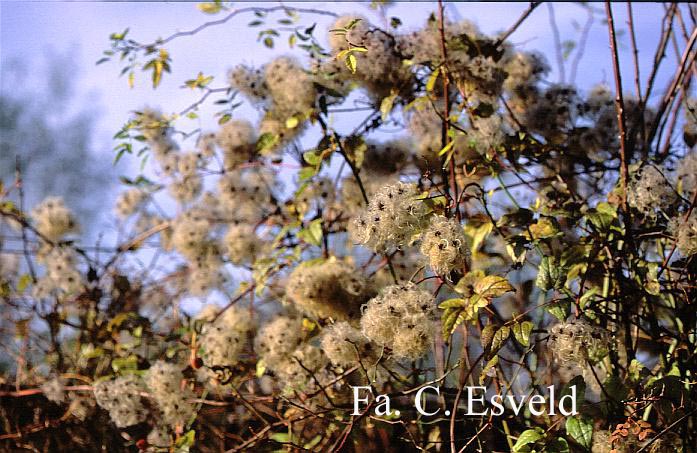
<point x="619" y="104"/>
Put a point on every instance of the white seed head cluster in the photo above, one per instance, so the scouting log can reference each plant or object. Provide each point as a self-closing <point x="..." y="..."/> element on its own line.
<point x="190" y="233"/>
<point x="62" y="273"/>
<point x="245" y="195"/>
<point x="121" y="398"/>
<point x="524" y="69"/>
<point x="650" y="192"/>
<point x="553" y="112"/>
<point x="129" y="201"/>
<point x="249" y="81"/>
<point x="54" y="389"/>
<point x="9" y="266"/>
<point x="578" y="342"/>
<point x="276" y="340"/>
<point x="237" y="139"/>
<point x="344" y="345"/>
<point x="290" y="86"/>
<point x="164" y="384"/>
<point x="223" y="341"/>
<point x="400" y="318"/>
<point x="687" y="174"/>
<point x="206" y="273"/>
<point x="690" y="125"/>
<point x="445" y="245"/>
<point x="385" y="159"/>
<point x="185" y="189"/>
<point x="157" y="132"/>
<point x="331" y="289"/>
<point x="380" y="68"/>
<point x="303" y="367"/>
<point x="319" y="194"/>
<point x="53" y="219"/>
<point x="685" y="233"/>
<point x="392" y="218"/>
<point x="159" y="438"/>
<point x="242" y="244"/>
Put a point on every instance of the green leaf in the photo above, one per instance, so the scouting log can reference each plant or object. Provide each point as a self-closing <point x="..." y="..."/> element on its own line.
<point x="528" y="437"/>
<point x="268" y="42"/>
<point x="186" y="441"/>
<point x="581" y="430"/>
<point x="313" y="233"/>
<point x="521" y="332"/>
<point x="267" y="141"/>
<point x="500" y="338"/>
<point x="550" y="274"/>
<point x="312" y="157"/>
<point x="306" y="173"/>
<point x="282" y="438"/>
<point x="602" y="216"/>
<point x="224" y="119"/>
<point x="492" y="286"/>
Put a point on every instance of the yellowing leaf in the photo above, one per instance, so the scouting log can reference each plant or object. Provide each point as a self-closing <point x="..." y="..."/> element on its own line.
<point x="477" y="233"/>
<point x="210" y="7"/>
<point x="492" y="286"/>
<point x="431" y="83"/>
<point x="543" y="228"/>
<point x="292" y="122"/>
<point x="452" y="303"/>
<point x="351" y="63"/>
<point x="386" y="105"/>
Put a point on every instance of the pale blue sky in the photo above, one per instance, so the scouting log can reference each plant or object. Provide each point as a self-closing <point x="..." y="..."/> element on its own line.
<point x="28" y="29"/>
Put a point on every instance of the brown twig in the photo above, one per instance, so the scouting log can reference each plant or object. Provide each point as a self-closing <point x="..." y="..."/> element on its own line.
<point x="619" y="104"/>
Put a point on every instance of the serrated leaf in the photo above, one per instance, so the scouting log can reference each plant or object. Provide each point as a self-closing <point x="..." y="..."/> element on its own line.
<point x="521" y="332"/>
<point x="492" y="286"/>
<point x="581" y="430"/>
